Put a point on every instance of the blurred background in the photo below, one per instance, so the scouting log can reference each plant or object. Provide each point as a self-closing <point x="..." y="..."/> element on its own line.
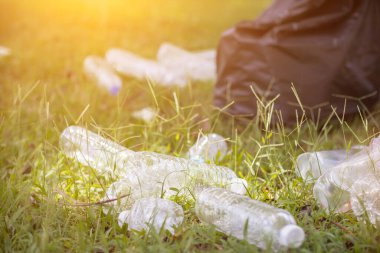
<point x="43" y="77"/>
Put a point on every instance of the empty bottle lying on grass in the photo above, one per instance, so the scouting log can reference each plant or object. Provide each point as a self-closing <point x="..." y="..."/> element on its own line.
<point x="240" y="216"/>
<point x="152" y="213"/>
<point x="332" y="189"/>
<point x="100" y="71"/>
<point x="148" y="174"/>
<point x="174" y="66"/>
<point x="311" y="165"/>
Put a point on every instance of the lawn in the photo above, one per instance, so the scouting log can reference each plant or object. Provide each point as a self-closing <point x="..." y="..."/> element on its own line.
<point x="43" y="90"/>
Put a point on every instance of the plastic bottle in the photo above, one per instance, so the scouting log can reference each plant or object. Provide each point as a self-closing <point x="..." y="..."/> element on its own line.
<point x="130" y="64"/>
<point x="195" y="66"/>
<point x="93" y="150"/>
<point x="332" y="188"/>
<point x="311" y="165"/>
<point x="154" y="213"/>
<point x="207" y="148"/>
<point x="99" y="70"/>
<point x="245" y="218"/>
<point x="365" y="198"/>
<point x="148" y="173"/>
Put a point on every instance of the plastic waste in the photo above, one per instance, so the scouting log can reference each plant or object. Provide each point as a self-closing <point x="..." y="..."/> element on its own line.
<point x="4" y="51"/>
<point x="208" y="147"/>
<point x="311" y="165"/>
<point x="195" y="66"/>
<point x="245" y="218"/>
<point x="93" y="150"/>
<point x="174" y="66"/>
<point x="365" y="198"/>
<point x="146" y="114"/>
<point x="146" y="174"/>
<point x="153" y="213"/>
<point x="130" y="64"/>
<point x="332" y="188"/>
<point x="99" y="70"/>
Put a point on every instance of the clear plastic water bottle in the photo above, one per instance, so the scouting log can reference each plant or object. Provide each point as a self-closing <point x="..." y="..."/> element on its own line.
<point x="153" y="213"/>
<point x="147" y="173"/>
<point x="194" y="65"/>
<point x="248" y="219"/>
<point x="93" y="150"/>
<point x="365" y="198"/>
<point x="99" y="70"/>
<point x="130" y="64"/>
<point x="208" y="147"/>
<point x="311" y="165"/>
<point x="332" y="188"/>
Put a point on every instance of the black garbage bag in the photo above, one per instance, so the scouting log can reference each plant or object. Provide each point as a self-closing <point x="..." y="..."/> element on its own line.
<point x="329" y="50"/>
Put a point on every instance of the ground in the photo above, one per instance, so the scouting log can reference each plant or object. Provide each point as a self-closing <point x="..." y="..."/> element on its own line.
<point x="43" y="90"/>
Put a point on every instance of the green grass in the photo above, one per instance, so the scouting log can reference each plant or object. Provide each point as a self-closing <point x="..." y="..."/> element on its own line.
<point x="43" y="90"/>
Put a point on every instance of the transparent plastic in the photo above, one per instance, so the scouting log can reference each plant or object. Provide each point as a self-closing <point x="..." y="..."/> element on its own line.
<point x="240" y="216"/>
<point x="99" y="70"/>
<point x="153" y="213"/>
<point x="145" y="173"/>
<point x="174" y="66"/>
<point x="194" y="65"/>
<point x="311" y="165"/>
<point x="130" y="64"/>
<point x="332" y="188"/>
<point x="365" y="198"/>
<point x="208" y="147"/>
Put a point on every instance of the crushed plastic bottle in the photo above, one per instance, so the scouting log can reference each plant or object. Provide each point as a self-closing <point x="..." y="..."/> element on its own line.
<point x="311" y="165"/>
<point x="130" y="64"/>
<point x="99" y="70"/>
<point x="208" y="147"/>
<point x="332" y="188"/>
<point x="365" y="198"/>
<point x="245" y="218"/>
<point x="153" y="213"/>
<point x="148" y="173"/>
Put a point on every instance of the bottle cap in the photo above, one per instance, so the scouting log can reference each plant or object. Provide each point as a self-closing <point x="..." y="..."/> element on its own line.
<point x="238" y="185"/>
<point x="291" y="236"/>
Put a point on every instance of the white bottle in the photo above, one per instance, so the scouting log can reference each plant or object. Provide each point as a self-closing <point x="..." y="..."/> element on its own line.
<point x="245" y="218"/>
<point x="153" y="213"/>
<point x="99" y="70"/>
<point x="195" y="66"/>
<point x="93" y="150"/>
<point x="332" y="188"/>
<point x="130" y="64"/>
<point x="148" y="173"/>
<point x="365" y="198"/>
<point x="311" y="165"/>
<point x="208" y="147"/>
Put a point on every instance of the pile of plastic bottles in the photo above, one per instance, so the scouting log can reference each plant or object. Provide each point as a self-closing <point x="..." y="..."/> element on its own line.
<point x="149" y="179"/>
<point x="174" y="66"/>
<point x="345" y="179"/>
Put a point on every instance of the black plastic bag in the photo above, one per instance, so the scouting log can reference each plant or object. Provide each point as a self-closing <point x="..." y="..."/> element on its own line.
<point x="329" y="51"/>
